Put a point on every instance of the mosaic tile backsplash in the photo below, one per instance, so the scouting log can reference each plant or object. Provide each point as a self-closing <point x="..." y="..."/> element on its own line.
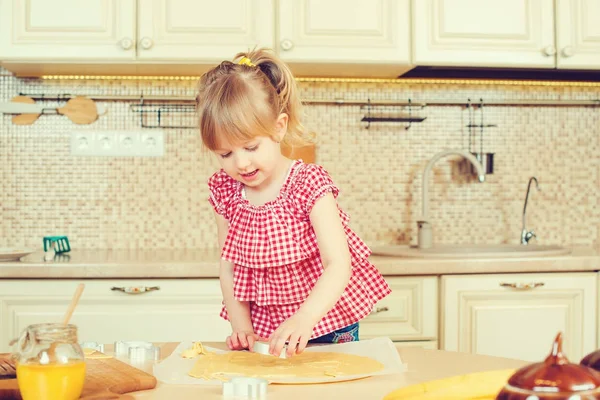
<point x="130" y="203"/>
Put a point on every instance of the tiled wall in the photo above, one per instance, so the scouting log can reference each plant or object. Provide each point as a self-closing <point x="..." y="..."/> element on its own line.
<point x="124" y="202"/>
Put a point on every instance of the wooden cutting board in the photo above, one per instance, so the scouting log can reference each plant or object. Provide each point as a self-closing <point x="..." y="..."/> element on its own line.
<point x="104" y="379"/>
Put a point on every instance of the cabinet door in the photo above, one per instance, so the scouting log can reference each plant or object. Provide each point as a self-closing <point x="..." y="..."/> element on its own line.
<point x="67" y="29"/>
<point x="518" y="315"/>
<point x="475" y="33"/>
<point x="207" y="30"/>
<point x="345" y="31"/>
<point x="578" y="34"/>
<point x="180" y="310"/>
<point x="410" y="312"/>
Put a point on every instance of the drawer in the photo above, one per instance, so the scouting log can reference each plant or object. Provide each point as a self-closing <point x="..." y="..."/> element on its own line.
<point x="410" y="312"/>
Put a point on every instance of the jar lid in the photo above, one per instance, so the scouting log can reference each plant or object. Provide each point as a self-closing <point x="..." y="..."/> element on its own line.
<point x="555" y="374"/>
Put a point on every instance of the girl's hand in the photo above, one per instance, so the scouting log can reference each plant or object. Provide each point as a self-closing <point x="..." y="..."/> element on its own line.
<point x="241" y="340"/>
<point x="296" y="330"/>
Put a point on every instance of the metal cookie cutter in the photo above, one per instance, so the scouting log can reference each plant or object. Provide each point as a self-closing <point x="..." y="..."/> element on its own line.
<point x="92" y="345"/>
<point x="263" y="348"/>
<point x="137" y="351"/>
<point x="245" y="388"/>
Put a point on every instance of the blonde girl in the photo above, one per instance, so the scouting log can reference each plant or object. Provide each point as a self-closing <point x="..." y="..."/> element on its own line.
<point x="291" y="270"/>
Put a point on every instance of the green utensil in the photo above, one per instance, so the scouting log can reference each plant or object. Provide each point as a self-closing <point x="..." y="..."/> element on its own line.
<point x="61" y="244"/>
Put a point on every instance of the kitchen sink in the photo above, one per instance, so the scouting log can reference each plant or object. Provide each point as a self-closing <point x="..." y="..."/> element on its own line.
<point x="471" y="251"/>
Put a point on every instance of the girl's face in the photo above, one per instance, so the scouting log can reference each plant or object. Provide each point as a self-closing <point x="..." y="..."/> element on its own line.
<point x="256" y="162"/>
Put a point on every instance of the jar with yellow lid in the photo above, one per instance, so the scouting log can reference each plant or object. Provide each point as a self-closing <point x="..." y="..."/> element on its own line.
<point x="50" y="363"/>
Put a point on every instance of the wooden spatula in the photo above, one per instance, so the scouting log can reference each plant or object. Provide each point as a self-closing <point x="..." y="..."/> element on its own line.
<point x="81" y="110"/>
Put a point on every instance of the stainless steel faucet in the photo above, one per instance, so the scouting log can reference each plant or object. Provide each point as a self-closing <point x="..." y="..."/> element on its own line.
<point x="425" y="232"/>
<point x="526" y="235"/>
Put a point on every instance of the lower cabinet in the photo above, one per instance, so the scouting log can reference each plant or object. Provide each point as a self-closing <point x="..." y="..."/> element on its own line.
<point x="178" y="310"/>
<point x="518" y="315"/>
<point x="422" y="344"/>
<point x="409" y="313"/>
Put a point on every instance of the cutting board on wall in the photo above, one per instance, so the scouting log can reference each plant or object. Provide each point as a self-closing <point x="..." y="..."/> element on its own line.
<point x="305" y="153"/>
<point x="106" y="378"/>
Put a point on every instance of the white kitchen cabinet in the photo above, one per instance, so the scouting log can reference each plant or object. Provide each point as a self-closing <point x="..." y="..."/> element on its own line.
<point x="184" y="30"/>
<point x="511" y="33"/>
<point x="67" y="29"/>
<point x="508" y="33"/>
<point x="578" y="34"/>
<point x="109" y="31"/>
<point x="518" y="315"/>
<point x="334" y="37"/>
<point x="410" y="312"/>
<point x="345" y="32"/>
<point x="180" y="310"/>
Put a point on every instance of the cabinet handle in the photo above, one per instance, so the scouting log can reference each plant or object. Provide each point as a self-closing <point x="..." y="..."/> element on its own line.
<point x="135" y="289"/>
<point x="126" y="43"/>
<point x="380" y="310"/>
<point x="568" y="51"/>
<point x="549" y="50"/>
<point x="287" y="44"/>
<point x="146" y="43"/>
<point x="522" y="286"/>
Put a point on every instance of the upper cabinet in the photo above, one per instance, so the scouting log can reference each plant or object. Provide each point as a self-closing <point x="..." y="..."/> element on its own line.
<point x="128" y="30"/>
<point x="578" y="34"/>
<point x="510" y="33"/>
<point x="184" y="30"/>
<point x="67" y="29"/>
<point x="184" y="36"/>
<point x="345" y="32"/>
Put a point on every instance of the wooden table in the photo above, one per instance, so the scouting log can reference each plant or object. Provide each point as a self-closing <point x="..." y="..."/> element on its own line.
<point x="422" y="365"/>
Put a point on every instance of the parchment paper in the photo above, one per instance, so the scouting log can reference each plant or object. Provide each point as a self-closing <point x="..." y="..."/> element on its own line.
<point x="174" y="369"/>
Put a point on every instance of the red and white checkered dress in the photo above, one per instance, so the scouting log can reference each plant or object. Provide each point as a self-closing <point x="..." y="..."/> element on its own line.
<point x="276" y="259"/>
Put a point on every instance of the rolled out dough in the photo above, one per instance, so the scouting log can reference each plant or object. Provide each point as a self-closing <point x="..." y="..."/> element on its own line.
<point x="306" y="365"/>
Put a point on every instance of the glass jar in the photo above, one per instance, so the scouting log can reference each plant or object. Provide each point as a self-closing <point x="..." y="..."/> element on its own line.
<point x="50" y="363"/>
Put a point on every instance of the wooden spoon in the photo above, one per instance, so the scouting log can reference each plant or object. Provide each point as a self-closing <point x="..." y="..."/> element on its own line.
<point x="80" y="110"/>
<point x="67" y="317"/>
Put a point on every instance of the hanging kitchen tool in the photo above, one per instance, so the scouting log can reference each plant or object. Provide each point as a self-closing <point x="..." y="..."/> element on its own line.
<point x="485" y="158"/>
<point x="80" y="110"/>
<point x="392" y="117"/>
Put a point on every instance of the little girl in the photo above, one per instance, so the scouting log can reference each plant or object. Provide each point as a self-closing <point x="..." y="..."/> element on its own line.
<point x="291" y="270"/>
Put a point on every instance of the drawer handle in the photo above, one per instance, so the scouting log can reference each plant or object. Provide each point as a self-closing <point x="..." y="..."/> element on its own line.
<point x="522" y="286"/>
<point x="135" y="289"/>
<point x="380" y="310"/>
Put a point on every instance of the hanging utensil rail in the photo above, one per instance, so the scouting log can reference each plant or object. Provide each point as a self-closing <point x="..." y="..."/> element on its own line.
<point x="424" y="103"/>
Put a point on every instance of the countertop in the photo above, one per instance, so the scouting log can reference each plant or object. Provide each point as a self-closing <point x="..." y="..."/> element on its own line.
<point x="422" y="365"/>
<point x="204" y="263"/>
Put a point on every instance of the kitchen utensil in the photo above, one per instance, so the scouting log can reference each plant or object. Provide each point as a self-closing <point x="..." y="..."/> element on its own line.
<point x="553" y="379"/>
<point x="485" y="158"/>
<point x="80" y="110"/>
<point x="61" y="244"/>
<point x="105" y="378"/>
<point x="304" y="153"/>
<point x="137" y="351"/>
<point x="245" y="388"/>
<point x="66" y="318"/>
<point x="13" y="254"/>
<point x="263" y="348"/>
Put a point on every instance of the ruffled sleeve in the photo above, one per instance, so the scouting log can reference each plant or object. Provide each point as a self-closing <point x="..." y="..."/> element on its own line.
<point x="313" y="183"/>
<point x="221" y="190"/>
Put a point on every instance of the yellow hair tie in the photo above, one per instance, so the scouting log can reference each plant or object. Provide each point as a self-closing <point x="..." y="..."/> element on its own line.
<point x="246" y="61"/>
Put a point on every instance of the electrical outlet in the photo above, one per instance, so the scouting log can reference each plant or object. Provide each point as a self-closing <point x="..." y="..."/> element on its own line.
<point x="142" y="143"/>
